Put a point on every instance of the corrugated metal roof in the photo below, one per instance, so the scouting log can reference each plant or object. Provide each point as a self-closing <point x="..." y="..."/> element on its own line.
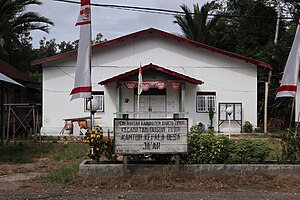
<point x="12" y="72"/>
<point x="9" y="80"/>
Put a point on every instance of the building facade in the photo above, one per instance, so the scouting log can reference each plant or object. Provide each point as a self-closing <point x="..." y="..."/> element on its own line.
<point x="181" y="78"/>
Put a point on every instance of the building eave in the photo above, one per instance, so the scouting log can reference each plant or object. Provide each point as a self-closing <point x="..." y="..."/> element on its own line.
<point x="159" y="32"/>
<point x="155" y="67"/>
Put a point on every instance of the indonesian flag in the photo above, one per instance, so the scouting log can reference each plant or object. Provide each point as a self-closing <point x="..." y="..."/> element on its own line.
<point x="140" y="81"/>
<point x="288" y="86"/>
<point x="82" y="85"/>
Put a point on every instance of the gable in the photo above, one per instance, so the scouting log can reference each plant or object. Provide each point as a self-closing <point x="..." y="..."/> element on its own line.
<point x="151" y="72"/>
<point x="163" y="35"/>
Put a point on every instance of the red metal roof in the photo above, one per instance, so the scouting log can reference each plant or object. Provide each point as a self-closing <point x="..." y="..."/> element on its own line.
<point x="12" y="72"/>
<point x="162" y="33"/>
<point x="155" y="67"/>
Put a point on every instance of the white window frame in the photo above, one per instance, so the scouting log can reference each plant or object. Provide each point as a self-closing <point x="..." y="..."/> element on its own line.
<point x="99" y="96"/>
<point x="204" y="100"/>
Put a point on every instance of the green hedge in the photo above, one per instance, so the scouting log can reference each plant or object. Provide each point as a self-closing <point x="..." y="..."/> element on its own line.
<point x="212" y="149"/>
<point x="246" y="151"/>
<point x="207" y="149"/>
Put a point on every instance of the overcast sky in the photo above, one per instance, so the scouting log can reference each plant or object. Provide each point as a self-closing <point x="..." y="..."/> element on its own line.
<point x="112" y="23"/>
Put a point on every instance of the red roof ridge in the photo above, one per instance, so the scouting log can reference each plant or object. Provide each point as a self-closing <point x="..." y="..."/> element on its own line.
<point x="153" y="30"/>
<point x="152" y="66"/>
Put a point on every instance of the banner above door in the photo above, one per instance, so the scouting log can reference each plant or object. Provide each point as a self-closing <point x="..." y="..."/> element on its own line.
<point x="153" y="76"/>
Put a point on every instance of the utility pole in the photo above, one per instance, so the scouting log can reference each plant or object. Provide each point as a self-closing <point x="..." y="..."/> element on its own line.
<point x="267" y="86"/>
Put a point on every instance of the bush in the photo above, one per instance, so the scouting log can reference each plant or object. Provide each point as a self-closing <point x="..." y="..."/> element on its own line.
<point x="246" y="151"/>
<point x="207" y="149"/>
<point x="248" y="128"/>
<point x="290" y="148"/>
<point x="197" y="129"/>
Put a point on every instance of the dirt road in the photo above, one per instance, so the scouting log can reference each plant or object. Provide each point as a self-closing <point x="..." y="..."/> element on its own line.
<point x="119" y="194"/>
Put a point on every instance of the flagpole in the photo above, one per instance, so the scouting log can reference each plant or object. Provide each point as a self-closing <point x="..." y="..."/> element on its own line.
<point x="290" y="78"/>
<point x="288" y="85"/>
<point x="91" y="98"/>
<point x="138" y="106"/>
<point x="140" y="89"/>
<point x="82" y="85"/>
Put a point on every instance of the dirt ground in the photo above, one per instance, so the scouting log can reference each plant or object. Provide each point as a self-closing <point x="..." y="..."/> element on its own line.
<point x="16" y="183"/>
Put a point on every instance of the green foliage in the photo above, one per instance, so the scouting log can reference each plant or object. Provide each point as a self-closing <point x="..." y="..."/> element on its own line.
<point x="197" y="129"/>
<point x="290" y="148"/>
<point x="250" y="35"/>
<point x="245" y="151"/>
<point x="29" y="152"/>
<point x="16" y="22"/>
<point x="212" y="149"/>
<point x="207" y="149"/>
<point x="69" y="151"/>
<point x="99" y="39"/>
<point x="62" y="175"/>
<point x="254" y="33"/>
<point x="196" y="26"/>
<point x="99" y="145"/>
<point x="211" y="130"/>
<point x="248" y="127"/>
<point x="23" y="152"/>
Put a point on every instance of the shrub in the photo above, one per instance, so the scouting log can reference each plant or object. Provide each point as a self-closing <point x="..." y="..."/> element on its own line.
<point x="197" y="129"/>
<point x="207" y="149"/>
<point x="246" y="151"/>
<point x="99" y="145"/>
<point x="290" y="148"/>
<point x="248" y="128"/>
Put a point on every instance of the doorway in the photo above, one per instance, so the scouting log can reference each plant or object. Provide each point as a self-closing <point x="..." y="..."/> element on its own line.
<point x="152" y="103"/>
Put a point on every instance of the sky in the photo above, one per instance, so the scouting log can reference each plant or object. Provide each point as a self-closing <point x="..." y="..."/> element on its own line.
<point x="112" y="23"/>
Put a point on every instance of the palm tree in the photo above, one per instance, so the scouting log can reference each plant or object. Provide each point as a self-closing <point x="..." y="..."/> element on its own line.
<point x="16" y="23"/>
<point x="196" y="26"/>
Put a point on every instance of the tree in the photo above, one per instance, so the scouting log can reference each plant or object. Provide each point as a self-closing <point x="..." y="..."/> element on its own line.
<point x="248" y="28"/>
<point x="196" y="26"/>
<point x="256" y="29"/>
<point x="49" y="48"/>
<point x="99" y="39"/>
<point x="15" y="25"/>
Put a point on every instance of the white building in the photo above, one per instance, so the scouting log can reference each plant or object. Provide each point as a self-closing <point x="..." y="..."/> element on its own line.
<point x="180" y="77"/>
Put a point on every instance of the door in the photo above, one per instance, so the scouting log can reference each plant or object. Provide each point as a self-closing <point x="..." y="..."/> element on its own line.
<point x="152" y="104"/>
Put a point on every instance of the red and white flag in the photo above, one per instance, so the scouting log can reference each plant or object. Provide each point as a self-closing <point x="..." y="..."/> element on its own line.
<point x="288" y="85"/>
<point x="140" y="81"/>
<point x="82" y="85"/>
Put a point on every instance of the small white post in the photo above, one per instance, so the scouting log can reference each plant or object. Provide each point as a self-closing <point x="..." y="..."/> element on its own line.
<point x="229" y="111"/>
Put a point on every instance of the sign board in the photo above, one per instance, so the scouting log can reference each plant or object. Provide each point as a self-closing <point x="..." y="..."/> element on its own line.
<point x="237" y="111"/>
<point x="236" y="115"/>
<point x="157" y="136"/>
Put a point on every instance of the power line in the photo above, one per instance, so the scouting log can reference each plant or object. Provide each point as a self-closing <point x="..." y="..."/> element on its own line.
<point x="167" y="11"/>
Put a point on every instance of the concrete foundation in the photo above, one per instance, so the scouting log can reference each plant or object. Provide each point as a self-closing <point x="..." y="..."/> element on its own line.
<point x="116" y="169"/>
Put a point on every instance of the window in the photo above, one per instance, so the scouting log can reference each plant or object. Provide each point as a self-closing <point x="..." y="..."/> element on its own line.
<point x="205" y="100"/>
<point x="99" y="96"/>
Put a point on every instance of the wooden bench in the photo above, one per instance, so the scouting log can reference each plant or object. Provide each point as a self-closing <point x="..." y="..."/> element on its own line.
<point x="82" y="123"/>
